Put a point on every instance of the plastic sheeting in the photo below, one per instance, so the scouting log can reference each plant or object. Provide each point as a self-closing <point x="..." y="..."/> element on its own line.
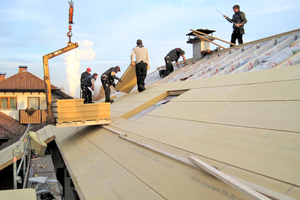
<point x="279" y="58"/>
<point x="266" y="55"/>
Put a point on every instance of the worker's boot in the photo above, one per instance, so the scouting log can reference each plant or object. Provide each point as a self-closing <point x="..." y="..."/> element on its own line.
<point x="111" y="101"/>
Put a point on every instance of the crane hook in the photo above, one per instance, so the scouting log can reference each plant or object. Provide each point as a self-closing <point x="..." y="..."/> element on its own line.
<point x="71" y="11"/>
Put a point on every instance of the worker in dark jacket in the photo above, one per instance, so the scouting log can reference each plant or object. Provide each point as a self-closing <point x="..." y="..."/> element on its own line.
<point x="238" y="20"/>
<point x="108" y="79"/>
<point x="83" y="76"/>
<point x="173" y="55"/>
<point x="85" y="84"/>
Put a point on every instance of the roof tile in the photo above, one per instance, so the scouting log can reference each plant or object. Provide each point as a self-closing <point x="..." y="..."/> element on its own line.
<point x="24" y="81"/>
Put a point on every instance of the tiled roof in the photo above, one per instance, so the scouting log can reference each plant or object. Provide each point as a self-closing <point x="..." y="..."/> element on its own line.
<point x="10" y="127"/>
<point x="24" y="81"/>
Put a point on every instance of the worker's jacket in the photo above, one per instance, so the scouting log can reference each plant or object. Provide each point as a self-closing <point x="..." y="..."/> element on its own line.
<point x="110" y="75"/>
<point x="88" y="81"/>
<point x="238" y="18"/>
<point x="175" y="54"/>
<point x="84" y="75"/>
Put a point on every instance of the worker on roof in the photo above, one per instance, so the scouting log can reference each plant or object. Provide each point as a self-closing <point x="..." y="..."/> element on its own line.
<point x="83" y="76"/>
<point x="142" y="64"/>
<point x="173" y="55"/>
<point x="108" y="79"/>
<point x="85" y="84"/>
<point x="238" y="20"/>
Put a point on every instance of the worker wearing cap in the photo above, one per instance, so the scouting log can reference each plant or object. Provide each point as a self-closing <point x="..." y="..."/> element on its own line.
<point x="238" y="20"/>
<point x="108" y="79"/>
<point x="84" y="75"/>
<point x="142" y="64"/>
<point x="85" y="84"/>
<point x="173" y="55"/>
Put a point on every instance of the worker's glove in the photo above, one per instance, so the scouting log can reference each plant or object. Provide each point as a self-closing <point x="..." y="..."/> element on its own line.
<point x="120" y="81"/>
<point x="184" y="64"/>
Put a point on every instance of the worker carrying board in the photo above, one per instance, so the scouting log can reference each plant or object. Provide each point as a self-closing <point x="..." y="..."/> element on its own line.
<point x="108" y="79"/>
<point x="141" y="64"/>
<point x="238" y="20"/>
<point x="85" y="84"/>
<point x="173" y="55"/>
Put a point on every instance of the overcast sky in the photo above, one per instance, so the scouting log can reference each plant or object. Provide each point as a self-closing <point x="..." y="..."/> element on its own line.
<point x="108" y="30"/>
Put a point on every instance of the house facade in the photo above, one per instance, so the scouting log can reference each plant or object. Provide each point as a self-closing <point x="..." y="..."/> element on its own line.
<point x="22" y="96"/>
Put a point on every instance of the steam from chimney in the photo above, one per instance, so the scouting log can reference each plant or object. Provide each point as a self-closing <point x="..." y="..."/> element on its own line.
<point x="83" y="52"/>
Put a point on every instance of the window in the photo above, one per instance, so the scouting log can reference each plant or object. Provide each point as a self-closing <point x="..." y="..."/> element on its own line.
<point x="8" y="103"/>
<point x="34" y="102"/>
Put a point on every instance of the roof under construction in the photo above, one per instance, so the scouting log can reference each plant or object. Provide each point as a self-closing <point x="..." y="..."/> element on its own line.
<point x="245" y="125"/>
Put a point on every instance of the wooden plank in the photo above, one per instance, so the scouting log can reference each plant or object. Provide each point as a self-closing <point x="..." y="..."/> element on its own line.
<point x="202" y="37"/>
<point x="213" y="37"/>
<point x="228" y="180"/>
<point x="84" y="123"/>
<point x="128" y="80"/>
<point x="145" y="105"/>
<point x="34" y="118"/>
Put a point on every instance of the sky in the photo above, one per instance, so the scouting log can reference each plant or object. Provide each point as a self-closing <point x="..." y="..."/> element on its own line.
<point x="107" y="31"/>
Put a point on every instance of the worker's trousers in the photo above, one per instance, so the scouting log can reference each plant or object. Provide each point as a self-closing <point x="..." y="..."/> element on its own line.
<point x="87" y="94"/>
<point x="141" y="73"/>
<point x="238" y="36"/>
<point x="169" y="66"/>
<point x="106" y="87"/>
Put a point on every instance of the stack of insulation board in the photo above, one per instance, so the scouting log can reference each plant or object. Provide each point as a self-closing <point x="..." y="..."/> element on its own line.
<point x="73" y="112"/>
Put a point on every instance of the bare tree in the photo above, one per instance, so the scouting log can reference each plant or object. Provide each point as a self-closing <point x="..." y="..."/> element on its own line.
<point x="100" y="93"/>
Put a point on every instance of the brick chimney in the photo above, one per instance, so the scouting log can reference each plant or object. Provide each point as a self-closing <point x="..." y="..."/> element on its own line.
<point x="22" y="69"/>
<point x="2" y="76"/>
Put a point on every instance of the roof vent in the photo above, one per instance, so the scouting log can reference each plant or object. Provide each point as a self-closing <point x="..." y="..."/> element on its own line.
<point x="22" y="69"/>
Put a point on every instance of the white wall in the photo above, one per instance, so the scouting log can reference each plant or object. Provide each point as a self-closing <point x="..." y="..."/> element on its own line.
<point x="22" y="102"/>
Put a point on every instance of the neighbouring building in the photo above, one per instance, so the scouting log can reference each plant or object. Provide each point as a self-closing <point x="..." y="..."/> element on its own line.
<point x="22" y="96"/>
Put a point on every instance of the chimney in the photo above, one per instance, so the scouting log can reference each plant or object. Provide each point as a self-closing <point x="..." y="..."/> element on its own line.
<point x="22" y="69"/>
<point x="201" y="47"/>
<point x="2" y="76"/>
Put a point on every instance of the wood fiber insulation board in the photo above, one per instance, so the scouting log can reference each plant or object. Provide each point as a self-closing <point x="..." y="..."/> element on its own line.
<point x="138" y="96"/>
<point x="84" y="107"/>
<point x="20" y="194"/>
<point x="273" y="115"/>
<point x="6" y="155"/>
<point x="67" y="102"/>
<point x="267" y="153"/>
<point x="119" y="169"/>
<point x="258" y="182"/>
<point x="145" y="105"/>
<point x="74" y="110"/>
<point x="137" y="102"/>
<point x="256" y="77"/>
<point x="128" y="80"/>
